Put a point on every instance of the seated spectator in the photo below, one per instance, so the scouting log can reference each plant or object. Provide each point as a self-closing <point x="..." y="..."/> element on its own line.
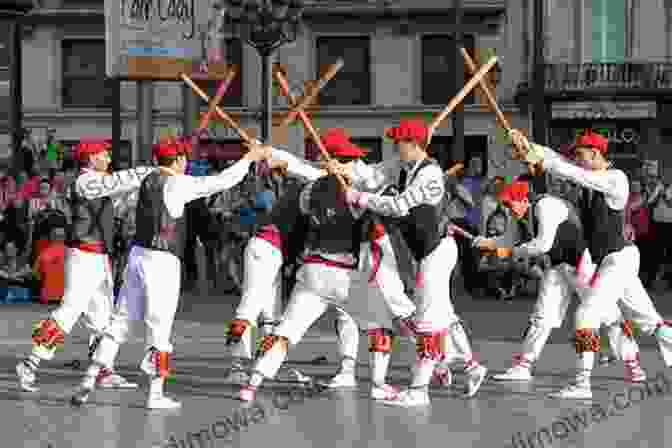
<point x="14" y="271"/>
<point x="502" y="280"/>
<point x="50" y="268"/>
<point x="15" y="223"/>
<point x="8" y="189"/>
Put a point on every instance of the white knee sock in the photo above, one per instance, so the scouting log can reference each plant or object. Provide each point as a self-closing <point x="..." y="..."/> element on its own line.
<point x="664" y="336"/>
<point x="269" y="363"/>
<point x="584" y="368"/>
<point x="623" y="347"/>
<point x="462" y="345"/>
<point x="106" y="353"/>
<point x="243" y="350"/>
<point x="422" y="373"/>
<point x="536" y="337"/>
<point x="348" y="336"/>
<point x="380" y="362"/>
<point x="156" y="387"/>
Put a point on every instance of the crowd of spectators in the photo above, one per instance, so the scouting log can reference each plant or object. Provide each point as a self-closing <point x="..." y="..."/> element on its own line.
<point x="34" y="217"/>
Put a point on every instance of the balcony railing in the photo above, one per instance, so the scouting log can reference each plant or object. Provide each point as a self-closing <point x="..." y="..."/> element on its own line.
<point x="626" y="75"/>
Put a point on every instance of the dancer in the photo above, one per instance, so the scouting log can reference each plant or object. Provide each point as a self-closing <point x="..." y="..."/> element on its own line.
<point x="262" y="279"/>
<point x="617" y="261"/>
<point x="421" y="186"/>
<point x="151" y="286"/>
<point x="89" y="281"/>
<point x="559" y="235"/>
<point x="326" y="279"/>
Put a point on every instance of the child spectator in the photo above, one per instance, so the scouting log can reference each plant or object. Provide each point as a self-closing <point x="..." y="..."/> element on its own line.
<point x="50" y="268"/>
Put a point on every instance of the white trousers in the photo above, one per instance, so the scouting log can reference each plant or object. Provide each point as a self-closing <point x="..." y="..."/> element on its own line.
<point x="150" y="292"/>
<point x="262" y="282"/>
<point x="319" y="286"/>
<point x="88" y="291"/>
<point x="433" y="295"/>
<point x="556" y="291"/>
<point x="618" y="282"/>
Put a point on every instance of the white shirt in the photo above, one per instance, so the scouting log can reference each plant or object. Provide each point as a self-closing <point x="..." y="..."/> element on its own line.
<point x="180" y="189"/>
<point x="93" y="184"/>
<point x="426" y="187"/>
<point x="612" y="183"/>
<point x="549" y="212"/>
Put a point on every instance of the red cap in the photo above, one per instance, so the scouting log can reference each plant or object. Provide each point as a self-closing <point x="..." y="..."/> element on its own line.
<point x="409" y="130"/>
<point x="338" y="144"/>
<point x="172" y="148"/>
<point x="89" y="147"/>
<point x="593" y="140"/>
<point x="516" y="191"/>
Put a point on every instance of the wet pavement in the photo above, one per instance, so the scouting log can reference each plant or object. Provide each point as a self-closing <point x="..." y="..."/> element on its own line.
<point x="516" y="415"/>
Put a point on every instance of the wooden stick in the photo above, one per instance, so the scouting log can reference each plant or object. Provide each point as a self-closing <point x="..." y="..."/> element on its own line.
<point x="486" y="90"/>
<point x="464" y="92"/>
<point x="223" y="115"/>
<point x="284" y="86"/>
<point x="221" y="91"/>
<point x="308" y="97"/>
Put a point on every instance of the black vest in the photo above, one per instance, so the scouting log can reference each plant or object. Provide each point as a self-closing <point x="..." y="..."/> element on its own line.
<point x="602" y="225"/>
<point x="155" y="228"/>
<point x="92" y="221"/>
<point x="331" y="227"/>
<point x="421" y="228"/>
<point x="569" y="242"/>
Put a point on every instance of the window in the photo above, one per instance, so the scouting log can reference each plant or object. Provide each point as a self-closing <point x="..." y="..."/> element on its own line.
<point x="374" y="145"/>
<point x="84" y="82"/>
<point x="441" y="149"/>
<point x="5" y="30"/>
<point x="352" y="85"/>
<point x="438" y="68"/>
<point x="608" y="25"/>
<point x="233" y="52"/>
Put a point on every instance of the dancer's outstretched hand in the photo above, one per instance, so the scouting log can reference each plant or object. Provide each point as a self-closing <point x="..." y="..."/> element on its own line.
<point x="520" y="145"/>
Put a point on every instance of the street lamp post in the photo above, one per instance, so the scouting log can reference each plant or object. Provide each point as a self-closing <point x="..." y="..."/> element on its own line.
<point x="265" y="25"/>
<point x="11" y="14"/>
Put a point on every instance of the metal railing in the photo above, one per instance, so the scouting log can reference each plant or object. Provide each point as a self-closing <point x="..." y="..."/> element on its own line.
<point x="625" y="75"/>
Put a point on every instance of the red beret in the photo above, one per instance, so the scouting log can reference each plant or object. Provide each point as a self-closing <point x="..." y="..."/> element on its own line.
<point x="89" y="147"/>
<point x="409" y="130"/>
<point x="172" y="148"/>
<point x="338" y="144"/>
<point x="593" y="140"/>
<point x="516" y="191"/>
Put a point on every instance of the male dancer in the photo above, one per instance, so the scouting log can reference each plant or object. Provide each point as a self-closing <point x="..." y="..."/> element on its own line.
<point x="326" y="278"/>
<point x="616" y="276"/>
<point x="421" y="186"/>
<point x="89" y="282"/>
<point x="558" y="234"/>
<point x="152" y="278"/>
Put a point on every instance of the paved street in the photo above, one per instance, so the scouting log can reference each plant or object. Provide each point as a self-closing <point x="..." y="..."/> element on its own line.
<point x="329" y="419"/>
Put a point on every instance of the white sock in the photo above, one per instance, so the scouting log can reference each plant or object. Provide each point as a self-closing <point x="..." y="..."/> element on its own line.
<point x="106" y="353"/>
<point x="348" y="366"/>
<point x="89" y="380"/>
<point x="348" y="336"/>
<point x="243" y="349"/>
<point x="156" y="387"/>
<point x="269" y="363"/>
<point x="379" y="364"/>
<point x="535" y="340"/>
<point x="422" y="373"/>
<point x="584" y="368"/>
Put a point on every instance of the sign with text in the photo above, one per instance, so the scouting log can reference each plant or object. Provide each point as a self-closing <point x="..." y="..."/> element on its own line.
<point x="159" y="39"/>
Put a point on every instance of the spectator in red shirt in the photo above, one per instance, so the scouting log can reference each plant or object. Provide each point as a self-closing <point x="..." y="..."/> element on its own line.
<point x="50" y="268"/>
<point x="8" y="189"/>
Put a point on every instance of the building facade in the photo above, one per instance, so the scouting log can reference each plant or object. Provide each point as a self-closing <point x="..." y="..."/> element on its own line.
<point x="607" y="68"/>
<point x="399" y="61"/>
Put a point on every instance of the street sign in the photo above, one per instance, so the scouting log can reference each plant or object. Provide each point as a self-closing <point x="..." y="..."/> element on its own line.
<point x="148" y="40"/>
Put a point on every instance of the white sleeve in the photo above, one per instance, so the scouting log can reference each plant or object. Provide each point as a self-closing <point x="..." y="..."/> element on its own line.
<point x="92" y="185"/>
<point x="371" y="177"/>
<point x="613" y="183"/>
<point x="295" y="166"/>
<point x="550" y="212"/>
<point x="427" y="187"/>
<point x="182" y="189"/>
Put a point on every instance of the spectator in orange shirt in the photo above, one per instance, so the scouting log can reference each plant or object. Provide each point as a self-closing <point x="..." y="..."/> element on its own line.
<point x="50" y="268"/>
